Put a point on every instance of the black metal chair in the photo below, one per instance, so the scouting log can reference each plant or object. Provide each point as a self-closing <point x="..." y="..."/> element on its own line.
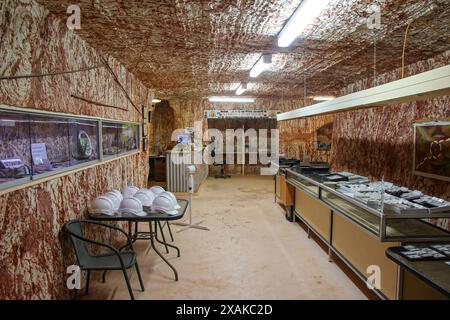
<point x="117" y="260"/>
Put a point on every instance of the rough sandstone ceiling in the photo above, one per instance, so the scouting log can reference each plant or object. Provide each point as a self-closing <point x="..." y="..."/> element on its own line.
<point x="185" y="48"/>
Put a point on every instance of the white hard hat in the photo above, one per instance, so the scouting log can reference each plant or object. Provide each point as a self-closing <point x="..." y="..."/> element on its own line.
<point x="130" y="191"/>
<point x="157" y="190"/>
<point x="132" y="205"/>
<point x="118" y="193"/>
<point x="145" y="196"/>
<point x="114" y="197"/>
<point x="173" y="198"/>
<point x="102" y="205"/>
<point x="164" y="203"/>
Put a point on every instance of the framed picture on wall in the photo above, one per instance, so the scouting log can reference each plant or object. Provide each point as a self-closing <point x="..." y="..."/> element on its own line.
<point x="324" y="136"/>
<point x="432" y="150"/>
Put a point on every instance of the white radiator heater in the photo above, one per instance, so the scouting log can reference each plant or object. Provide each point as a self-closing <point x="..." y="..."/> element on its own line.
<point x="177" y="174"/>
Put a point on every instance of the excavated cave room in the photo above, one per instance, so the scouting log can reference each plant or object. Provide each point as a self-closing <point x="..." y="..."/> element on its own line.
<point x="225" y="150"/>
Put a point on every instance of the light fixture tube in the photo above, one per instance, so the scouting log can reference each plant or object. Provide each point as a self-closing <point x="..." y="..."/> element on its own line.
<point x="302" y="17"/>
<point x="261" y="65"/>
<point x="323" y="98"/>
<point x="231" y="99"/>
<point x="241" y="89"/>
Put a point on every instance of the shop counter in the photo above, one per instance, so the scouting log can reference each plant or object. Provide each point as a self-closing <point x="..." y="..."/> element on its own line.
<point x="359" y="235"/>
<point x="421" y="280"/>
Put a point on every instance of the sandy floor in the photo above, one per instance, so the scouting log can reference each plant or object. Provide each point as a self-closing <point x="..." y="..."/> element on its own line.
<point x="251" y="252"/>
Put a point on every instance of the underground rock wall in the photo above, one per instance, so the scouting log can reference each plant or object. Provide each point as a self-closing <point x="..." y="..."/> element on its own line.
<point x="379" y="142"/>
<point x="34" y="253"/>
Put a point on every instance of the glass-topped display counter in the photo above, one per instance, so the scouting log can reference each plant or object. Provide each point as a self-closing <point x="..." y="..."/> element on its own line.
<point x="378" y="208"/>
<point x="305" y="182"/>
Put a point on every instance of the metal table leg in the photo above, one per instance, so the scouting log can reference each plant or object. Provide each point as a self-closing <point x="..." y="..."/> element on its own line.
<point x="164" y="239"/>
<point x="158" y="225"/>
<point x="170" y="231"/>
<point x="152" y="245"/>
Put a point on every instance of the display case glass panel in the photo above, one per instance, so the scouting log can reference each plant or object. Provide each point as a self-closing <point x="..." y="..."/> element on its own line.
<point x="308" y="186"/>
<point x="413" y="228"/>
<point x="15" y="156"/>
<point x="129" y="137"/>
<point x="49" y="143"/>
<point x="110" y="139"/>
<point x="84" y="146"/>
<point x="366" y="219"/>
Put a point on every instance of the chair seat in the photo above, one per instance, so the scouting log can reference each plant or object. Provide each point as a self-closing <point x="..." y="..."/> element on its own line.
<point x="110" y="261"/>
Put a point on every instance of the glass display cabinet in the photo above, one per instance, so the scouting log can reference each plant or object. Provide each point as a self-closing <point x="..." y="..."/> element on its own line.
<point x="303" y="182"/>
<point x="119" y="138"/>
<point x="110" y="139"/>
<point x="358" y="222"/>
<point x="49" y="143"/>
<point x="129" y="137"/>
<point x="15" y="156"/>
<point x="411" y="225"/>
<point x="34" y="145"/>
<point x="84" y="141"/>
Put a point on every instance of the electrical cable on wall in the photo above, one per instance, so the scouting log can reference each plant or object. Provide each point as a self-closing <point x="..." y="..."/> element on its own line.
<point x="405" y="40"/>
<point x="116" y="79"/>
<point x="50" y="74"/>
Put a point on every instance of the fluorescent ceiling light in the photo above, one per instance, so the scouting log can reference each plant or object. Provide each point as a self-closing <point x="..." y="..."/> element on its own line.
<point x="241" y="89"/>
<point x="156" y="101"/>
<point x="302" y="17"/>
<point x="231" y="99"/>
<point x="262" y="64"/>
<point x="324" y="98"/>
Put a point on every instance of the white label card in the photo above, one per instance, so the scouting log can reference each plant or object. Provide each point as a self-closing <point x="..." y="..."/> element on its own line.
<point x="39" y="153"/>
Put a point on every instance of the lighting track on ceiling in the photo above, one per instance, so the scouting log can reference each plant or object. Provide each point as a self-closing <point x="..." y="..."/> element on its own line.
<point x="305" y="13"/>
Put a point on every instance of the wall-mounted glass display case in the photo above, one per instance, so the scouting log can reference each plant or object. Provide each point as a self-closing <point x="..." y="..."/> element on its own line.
<point x="110" y="139"/>
<point x="35" y="145"/>
<point x="15" y="156"/>
<point x="84" y="141"/>
<point x="129" y="137"/>
<point x="49" y="143"/>
<point x="119" y="138"/>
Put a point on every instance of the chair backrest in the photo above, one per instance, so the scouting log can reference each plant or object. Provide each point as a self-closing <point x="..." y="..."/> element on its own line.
<point x="75" y="230"/>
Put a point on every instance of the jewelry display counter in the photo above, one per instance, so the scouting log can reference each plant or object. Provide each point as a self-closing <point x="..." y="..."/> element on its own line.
<point x="357" y="233"/>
